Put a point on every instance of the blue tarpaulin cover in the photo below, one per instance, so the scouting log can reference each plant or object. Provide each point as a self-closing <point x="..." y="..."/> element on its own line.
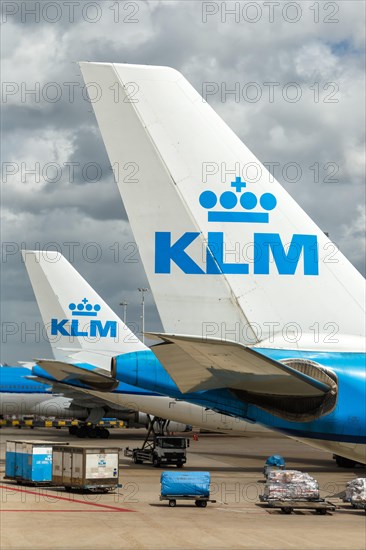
<point x="185" y="484"/>
<point x="275" y="460"/>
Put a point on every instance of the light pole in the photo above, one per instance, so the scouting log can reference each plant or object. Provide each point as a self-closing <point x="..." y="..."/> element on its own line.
<point x="143" y="290"/>
<point x="124" y="304"/>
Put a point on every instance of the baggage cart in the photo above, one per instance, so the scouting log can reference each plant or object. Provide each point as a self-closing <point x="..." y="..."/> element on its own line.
<point x="320" y="506"/>
<point x="359" y="506"/>
<point x="193" y="486"/>
<point x="200" y="502"/>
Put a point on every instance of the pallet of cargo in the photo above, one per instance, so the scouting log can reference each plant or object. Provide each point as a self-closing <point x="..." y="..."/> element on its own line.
<point x="356" y="493"/>
<point x="320" y="506"/>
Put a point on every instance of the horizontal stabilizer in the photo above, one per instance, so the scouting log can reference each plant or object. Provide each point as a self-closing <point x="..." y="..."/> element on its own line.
<point x="99" y="357"/>
<point x="67" y="373"/>
<point x="294" y="386"/>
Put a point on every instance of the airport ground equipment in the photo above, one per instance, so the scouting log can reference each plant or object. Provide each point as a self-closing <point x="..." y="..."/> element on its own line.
<point x="161" y="450"/>
<point x="274" y="462"/>
<point x="290" y="489"/>
<point x="29" y="462"/>
<point x="158" y="449"/>
<point x="359" y="506"/>
<point x="193" y="486"/>
<point x="344" y="462"/>
<point x="320" y="506"/>
<point x="14" y="459"/>
<point x="88" y="468"/>
<point x="356" y="493"/>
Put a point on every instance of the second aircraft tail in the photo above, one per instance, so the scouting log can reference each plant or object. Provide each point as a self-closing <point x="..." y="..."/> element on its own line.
<point x="80" y="326"/>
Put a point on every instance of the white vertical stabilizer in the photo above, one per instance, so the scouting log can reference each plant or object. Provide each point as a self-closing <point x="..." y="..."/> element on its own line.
<point x="267" y="276"/>
<point x="79" y="324"/>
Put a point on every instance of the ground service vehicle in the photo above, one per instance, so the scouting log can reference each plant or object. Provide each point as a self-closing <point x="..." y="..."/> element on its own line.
<point x="160" y="450"/>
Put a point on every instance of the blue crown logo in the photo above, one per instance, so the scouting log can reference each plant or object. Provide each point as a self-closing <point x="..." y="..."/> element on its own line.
<point x="228" y="200"/>
<point x="84" y="309"/>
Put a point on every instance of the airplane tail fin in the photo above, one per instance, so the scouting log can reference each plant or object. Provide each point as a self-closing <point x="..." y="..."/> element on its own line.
<point x="227" y="251"/>
<point x="78" y="323"/>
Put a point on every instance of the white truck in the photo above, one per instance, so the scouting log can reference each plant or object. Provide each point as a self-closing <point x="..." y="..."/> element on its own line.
<point x="161" y="450"/>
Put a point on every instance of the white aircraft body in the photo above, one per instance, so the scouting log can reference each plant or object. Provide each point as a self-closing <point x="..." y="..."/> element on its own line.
<point x="260" y="322"/>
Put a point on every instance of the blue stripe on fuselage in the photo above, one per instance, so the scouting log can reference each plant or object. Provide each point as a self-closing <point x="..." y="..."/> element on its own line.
<point x="14" y="380"/>
<point x="347" y="422"/>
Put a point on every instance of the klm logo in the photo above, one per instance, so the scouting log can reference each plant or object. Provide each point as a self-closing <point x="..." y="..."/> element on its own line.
<point x="84" y="312"/>
<point x="286" y="256"/>
<point x="229" y="200"/>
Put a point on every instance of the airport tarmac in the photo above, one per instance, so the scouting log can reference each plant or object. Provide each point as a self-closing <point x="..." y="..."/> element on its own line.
<point x="133" y="517"/>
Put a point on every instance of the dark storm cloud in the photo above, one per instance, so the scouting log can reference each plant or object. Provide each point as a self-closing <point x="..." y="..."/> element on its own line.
<point x="105" y="205"/>
<point x="42" y="56"/>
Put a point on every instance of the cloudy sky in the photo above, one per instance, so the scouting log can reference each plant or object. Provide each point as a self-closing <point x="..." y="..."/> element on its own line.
<point x="295" y="71"/>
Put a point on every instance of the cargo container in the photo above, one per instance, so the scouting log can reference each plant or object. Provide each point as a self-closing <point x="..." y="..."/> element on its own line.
<point x="29" y="461"/>
<point x="10" y="460"/>
<point x="19" y="445"/>
<point x="92" y="468"/>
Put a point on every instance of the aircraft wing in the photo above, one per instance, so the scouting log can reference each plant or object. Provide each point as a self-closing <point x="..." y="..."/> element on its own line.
<point x="197" y="364"/>
<point x="83" y="397"/>
<point x="85" y="374"/>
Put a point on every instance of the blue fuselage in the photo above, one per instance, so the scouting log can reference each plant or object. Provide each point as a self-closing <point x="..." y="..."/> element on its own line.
<point x="345" y="423"/>
<point x="15" y="380"/>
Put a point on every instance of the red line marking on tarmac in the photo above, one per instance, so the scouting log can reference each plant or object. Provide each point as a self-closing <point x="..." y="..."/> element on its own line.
<point x="105" y="506"/>
<point x="61" y="511"/>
